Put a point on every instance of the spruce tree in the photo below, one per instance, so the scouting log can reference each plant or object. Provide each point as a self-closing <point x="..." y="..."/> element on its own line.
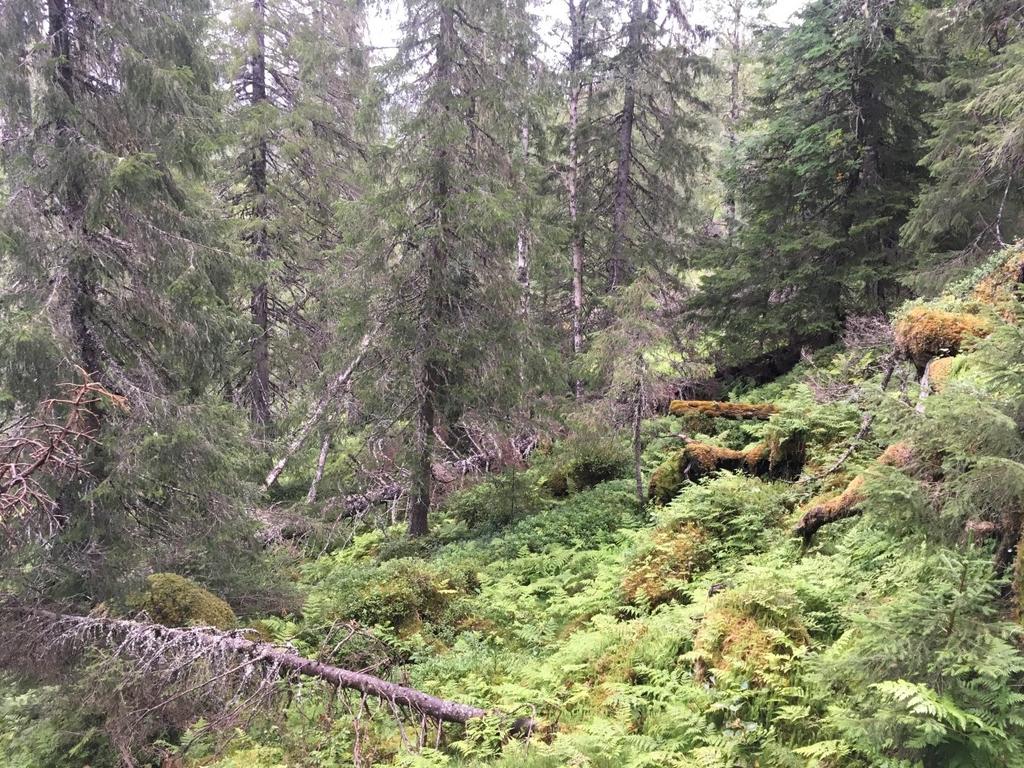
<point x="114" y="272"/>
<point x="973" y="201"/>
<point x="299" y="69"/>
<point x="450" y="303"/>
<point x="826" y="178"/>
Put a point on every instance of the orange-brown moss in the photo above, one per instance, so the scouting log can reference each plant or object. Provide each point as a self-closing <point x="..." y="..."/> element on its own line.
<point x="939" y="371"/>
<point x="729" y="638"/>
<point x="926" y="333"/>
<point x="776" y="458"/>
<point x="899" y="455"/>
<point x="691" y="463"/>
<point x="722" y="410"/>
<point x="1001" y="288"/>
<point x="656" y="574"/>
<point x="831" y="507"/>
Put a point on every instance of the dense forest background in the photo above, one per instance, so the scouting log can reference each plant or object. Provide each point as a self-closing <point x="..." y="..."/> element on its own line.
<point x="593" y="384"/>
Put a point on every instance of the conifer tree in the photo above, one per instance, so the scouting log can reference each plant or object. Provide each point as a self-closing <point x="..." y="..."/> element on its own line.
<point x="450" y="301"/>
<point x="652" y="121"/>
<point x="114" y="272"/>
<point x="975" y="159"/>
<point x="826" y="177"/>
<point x="300" y="68"/>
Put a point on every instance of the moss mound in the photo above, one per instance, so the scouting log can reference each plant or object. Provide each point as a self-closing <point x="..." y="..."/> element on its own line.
<point x="722" y="410"/>
<point x="656" y="573"/>
<point x="939" y="371"/>
<point x="175" y="601"/>
<point x="926" y="333"/>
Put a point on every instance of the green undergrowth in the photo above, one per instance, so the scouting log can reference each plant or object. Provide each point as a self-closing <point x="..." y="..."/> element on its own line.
<point x="701" y="633"/>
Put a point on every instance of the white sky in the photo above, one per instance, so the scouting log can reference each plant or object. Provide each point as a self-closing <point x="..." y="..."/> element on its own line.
<point x="384" y="17"/>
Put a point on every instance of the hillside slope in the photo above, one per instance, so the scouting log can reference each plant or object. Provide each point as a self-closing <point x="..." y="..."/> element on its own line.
<point x="705" y="631"/>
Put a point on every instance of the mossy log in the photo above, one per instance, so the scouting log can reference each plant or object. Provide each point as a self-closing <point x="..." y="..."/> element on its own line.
<point x="777" y="459"/>
<point x="822" y="511"/>
<point x="923" y="334"/>
<point x="722" y="410"/>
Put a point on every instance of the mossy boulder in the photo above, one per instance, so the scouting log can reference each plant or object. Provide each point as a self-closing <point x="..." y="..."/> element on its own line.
<point x="658" y="572"/>
<point x="925" y="333"/>
<point x="175" y="601"/>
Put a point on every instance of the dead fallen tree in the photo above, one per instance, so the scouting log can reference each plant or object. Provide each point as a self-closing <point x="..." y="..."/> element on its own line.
<point x="316" y="412"/>
<point x="722" y="410"/>
<point x="823" y="511"/>
<point x="779" y="458"/>
<point x="154" y="650"/>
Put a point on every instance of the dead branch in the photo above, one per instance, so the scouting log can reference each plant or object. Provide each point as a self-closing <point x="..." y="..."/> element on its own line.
<point x="48" y="445"/>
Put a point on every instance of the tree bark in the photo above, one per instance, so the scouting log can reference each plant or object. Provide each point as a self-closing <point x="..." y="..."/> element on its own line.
<point x="617" y="267"/>
<point x="732" y="126"/>
<point x="113" y="633"/>
<point x="638" y="411"/>
<point x="259" y="379"/>
<point x="523" y="238"/>
<point x="577" y="20"/>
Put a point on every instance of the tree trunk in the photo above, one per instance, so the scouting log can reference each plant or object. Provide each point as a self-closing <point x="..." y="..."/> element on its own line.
<point x="523" y="238"/>
<point x="44" y="628"/>
<point x="732" y="127"/>
<point x="318" y="475"/>
<point x="81" y="283"/>
<point x="259" y="379"/>
<point x="339" y="382"/>
<point x="577" y="19"/>
<point x="638" y="410"/>
<point x="436" y="294"/>
<point x="617" y="268"/>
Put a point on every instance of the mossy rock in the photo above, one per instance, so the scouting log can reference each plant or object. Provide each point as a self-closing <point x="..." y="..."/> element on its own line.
<point x="925" y="333"/>
<point x="175" y="601"/>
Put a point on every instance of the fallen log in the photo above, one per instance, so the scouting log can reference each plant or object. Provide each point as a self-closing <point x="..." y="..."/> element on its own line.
<point x="316" y="412"/>
<point x="722" y="410"/>
<point x="146" y="643"/>
<point x="821" y="512"/>
<point x="779" y="459"/>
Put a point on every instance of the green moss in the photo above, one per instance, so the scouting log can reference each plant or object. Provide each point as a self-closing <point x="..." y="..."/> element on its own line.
<point x="175" y="601"/>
